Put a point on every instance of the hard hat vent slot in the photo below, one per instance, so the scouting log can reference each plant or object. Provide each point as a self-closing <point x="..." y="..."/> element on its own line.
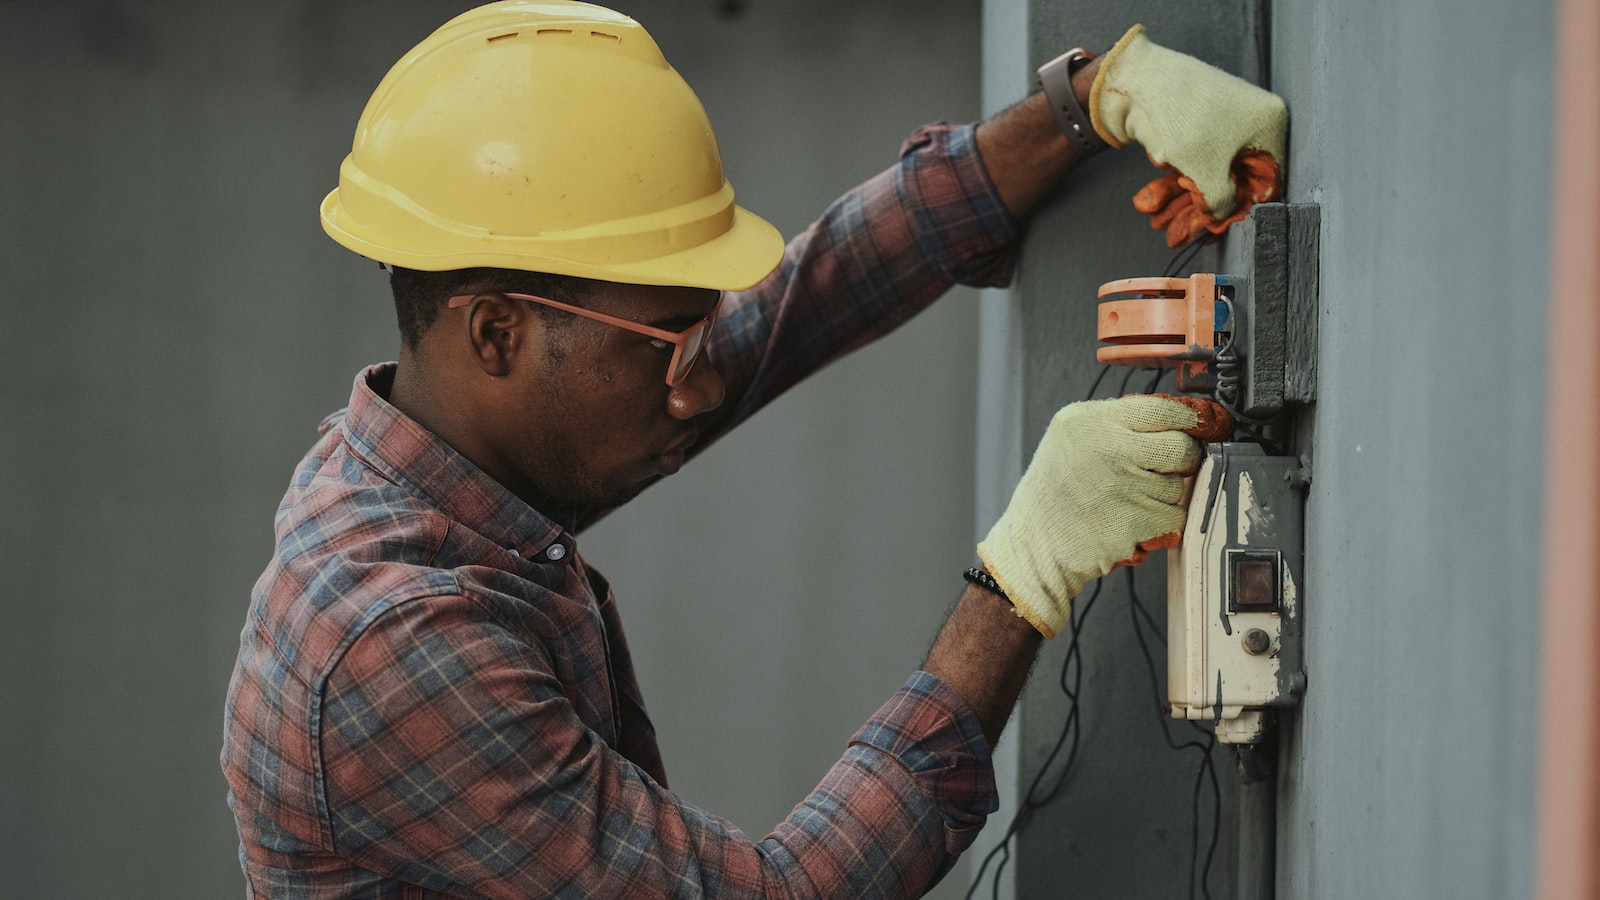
<point x="501" y="37"/>
<point x="544" y="31"/>
<point x="602" y="34"/>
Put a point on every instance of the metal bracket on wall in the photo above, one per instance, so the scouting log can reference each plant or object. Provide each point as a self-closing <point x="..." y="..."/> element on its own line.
<point x="1246" y="335"/>
<point x="1275" y="253"/>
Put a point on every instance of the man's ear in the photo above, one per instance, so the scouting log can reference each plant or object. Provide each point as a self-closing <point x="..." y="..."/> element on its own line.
<point x="496" y="330"/>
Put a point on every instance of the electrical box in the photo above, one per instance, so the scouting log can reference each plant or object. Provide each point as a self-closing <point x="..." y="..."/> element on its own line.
<point x="1233" y="593"/>
<point x="1246" y="337"/>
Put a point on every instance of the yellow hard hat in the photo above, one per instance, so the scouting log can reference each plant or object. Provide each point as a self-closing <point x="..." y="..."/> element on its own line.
<point x="548" y="136"/>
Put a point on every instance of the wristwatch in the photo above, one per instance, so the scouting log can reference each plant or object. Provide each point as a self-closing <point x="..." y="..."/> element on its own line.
<point x="1055" y="77"/>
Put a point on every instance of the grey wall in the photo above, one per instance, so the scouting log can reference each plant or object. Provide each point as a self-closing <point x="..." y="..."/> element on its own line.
<point x="174" y="324"/>
<point x="1408" y="772"/>
<point x="1412" y="770"/>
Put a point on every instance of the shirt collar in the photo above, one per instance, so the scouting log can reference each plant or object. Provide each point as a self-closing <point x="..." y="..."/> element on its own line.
<point x="409" y="455"/>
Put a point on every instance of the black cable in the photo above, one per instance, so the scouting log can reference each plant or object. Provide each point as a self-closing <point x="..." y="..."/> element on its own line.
<point x="1122" y="390"/>
<point x="1071" y="727"/>
<point x="1207" y="763"/>
<point x="1186" y="255"/>
<point x="1073" y="693"/>
<point x="1104" y="370"/>
<point x="1155" y="630"/>
<point x="1068" y="728"/>
<point x="1264" y="43"/>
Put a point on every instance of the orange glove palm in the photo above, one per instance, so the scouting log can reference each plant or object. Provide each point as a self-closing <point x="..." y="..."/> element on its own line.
<point x="1176" y="206"/>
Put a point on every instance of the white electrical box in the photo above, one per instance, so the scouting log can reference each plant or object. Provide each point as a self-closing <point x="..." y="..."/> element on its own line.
<point x="1233" y="593"/>
<point x="1247" y="340"/>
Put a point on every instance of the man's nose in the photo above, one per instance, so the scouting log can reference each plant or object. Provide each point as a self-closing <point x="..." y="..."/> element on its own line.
<point x="701" y="392"/>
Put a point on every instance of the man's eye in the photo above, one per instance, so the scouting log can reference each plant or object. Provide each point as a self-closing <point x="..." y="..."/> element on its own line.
<point x="660" y="344"/>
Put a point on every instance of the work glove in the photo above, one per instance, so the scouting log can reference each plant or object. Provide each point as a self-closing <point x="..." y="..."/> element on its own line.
<point x="1220" y="137"/>
<point x="1104" y="488"/>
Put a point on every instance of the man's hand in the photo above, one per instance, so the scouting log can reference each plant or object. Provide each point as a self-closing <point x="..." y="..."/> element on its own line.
<point x="1105" y="485"/>
<point x="1223" y="136"/>
<point x="1174" y="203"/>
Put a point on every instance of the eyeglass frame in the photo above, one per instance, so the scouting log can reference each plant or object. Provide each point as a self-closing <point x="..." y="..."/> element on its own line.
<point x="678" y="339"/>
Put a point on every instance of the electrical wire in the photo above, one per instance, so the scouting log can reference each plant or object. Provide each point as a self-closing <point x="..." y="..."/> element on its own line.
<point x="1072" y="729"/>
<point x="1208" y="766"/>
<point x="1104" y="371"/>
<point x="1137" y="610"/>
<point x="1122" y="389"/>
<point x="1263" y="29"/>
<point x="1186" y="255"/>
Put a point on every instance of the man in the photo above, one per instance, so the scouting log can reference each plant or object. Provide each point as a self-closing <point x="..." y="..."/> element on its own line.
<point x="433" y="695"/>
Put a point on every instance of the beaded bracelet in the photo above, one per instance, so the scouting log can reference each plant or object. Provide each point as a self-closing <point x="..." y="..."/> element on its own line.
<point x="986" y="581"/>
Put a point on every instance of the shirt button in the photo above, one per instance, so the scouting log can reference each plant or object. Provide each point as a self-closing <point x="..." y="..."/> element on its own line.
<point x="513" y="551"/>
<point x="556" y="552"/>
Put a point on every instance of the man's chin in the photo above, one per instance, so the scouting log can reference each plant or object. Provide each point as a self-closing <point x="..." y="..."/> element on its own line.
<point x="584" y="500"/>
<point x="602" y="501"/>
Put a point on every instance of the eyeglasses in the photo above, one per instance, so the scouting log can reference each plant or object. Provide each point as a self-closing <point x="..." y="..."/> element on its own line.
<point x="687" y="344"/>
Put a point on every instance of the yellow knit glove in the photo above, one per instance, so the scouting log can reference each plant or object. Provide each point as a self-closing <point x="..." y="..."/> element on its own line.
<point x="1107" y="476"/>
<point x="1186" y="114"/>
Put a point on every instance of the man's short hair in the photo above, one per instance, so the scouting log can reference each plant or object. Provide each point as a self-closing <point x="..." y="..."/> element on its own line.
<point x="419" y="296"/>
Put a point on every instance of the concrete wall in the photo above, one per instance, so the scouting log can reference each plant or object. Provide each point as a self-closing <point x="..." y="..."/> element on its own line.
<point x="1413" y="765"/>
<point x="1409" y="771"/>
<point x="174" y="324"/>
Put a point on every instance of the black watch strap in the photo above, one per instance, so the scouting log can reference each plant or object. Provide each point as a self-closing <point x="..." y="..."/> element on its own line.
<point x="1055" y="77"/>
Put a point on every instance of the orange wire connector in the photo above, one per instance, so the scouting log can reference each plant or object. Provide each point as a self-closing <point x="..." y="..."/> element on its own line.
<point x="1164" y="323"/>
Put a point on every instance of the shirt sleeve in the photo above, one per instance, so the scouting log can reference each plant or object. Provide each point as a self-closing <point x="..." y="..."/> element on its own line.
<point x="454" y="761"/>
<point x="878" y="255"/>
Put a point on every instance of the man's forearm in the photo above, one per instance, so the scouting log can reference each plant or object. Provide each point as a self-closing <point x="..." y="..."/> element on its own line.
<point x="984" y="652"/>
<point x="1024" y="150"/>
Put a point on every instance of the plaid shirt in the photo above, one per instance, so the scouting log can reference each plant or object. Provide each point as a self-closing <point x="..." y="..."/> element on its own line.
<point x="433" y="694"/>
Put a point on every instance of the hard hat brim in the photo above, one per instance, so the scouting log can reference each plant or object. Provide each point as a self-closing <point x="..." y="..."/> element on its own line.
<point x="739" y="258"/>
